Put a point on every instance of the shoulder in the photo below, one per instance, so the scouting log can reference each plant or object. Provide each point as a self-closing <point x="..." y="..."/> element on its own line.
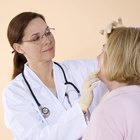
<point x="120" y="98"/>
<point x="14" y="88"/>
<point x="79" y="63"/>
<point x="80" y="67"/>
<point x="14" y="82"/>
<point x="110" y="107"/>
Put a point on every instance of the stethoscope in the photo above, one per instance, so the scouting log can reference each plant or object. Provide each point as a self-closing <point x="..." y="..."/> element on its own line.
<point x="44" y="110"/>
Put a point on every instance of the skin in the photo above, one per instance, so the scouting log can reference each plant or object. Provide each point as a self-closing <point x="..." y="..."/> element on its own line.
<point x="39" y="56"/>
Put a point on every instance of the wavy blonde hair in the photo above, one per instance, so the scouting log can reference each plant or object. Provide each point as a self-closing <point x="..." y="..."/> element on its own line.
<point x="122" y="56"/>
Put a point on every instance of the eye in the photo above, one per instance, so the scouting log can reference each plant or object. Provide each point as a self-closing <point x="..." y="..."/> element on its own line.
<point x="47" y="33"/>
<point x="35" y="38"/>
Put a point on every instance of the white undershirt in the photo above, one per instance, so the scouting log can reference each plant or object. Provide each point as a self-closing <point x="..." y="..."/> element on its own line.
<point x="53" y="90"/>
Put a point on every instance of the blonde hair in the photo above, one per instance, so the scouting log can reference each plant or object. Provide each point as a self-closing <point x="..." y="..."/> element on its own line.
<point x="122" y="56"/>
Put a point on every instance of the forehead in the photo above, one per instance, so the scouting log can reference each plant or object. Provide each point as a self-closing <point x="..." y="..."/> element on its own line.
<point x="36" y="25"/>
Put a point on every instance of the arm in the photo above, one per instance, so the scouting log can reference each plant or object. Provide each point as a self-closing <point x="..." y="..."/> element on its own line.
<point x="79" y="71"/>
<point x="23" y="118"/>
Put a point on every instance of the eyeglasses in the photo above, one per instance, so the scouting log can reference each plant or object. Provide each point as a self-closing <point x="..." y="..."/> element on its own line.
<point x="37" y="38"/>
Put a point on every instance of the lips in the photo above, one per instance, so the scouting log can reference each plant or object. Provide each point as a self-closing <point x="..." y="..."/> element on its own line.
<point x="48" y="49"/>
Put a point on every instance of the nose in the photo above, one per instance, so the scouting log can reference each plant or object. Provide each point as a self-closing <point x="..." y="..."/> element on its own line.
<point x="46" y="39"/>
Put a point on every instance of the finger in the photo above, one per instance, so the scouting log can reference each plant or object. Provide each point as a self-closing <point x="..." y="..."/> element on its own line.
<point x="114" y="24"/>
<point x="92" y="78"/>
<point x="91" y="81"/>
<point x="94" y="74"/>
<point x="120" y="21"/>
<point x="101" y="32"/>
<point x="97" y="70"/>
<point x="109" y="28"/>
<point x="93" y="85"/>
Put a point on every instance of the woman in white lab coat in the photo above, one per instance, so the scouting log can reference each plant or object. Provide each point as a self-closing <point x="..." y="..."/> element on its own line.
<point x="40" y="103"/>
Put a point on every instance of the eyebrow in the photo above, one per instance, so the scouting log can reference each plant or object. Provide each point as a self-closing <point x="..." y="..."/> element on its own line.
<point x="38" y="32"/>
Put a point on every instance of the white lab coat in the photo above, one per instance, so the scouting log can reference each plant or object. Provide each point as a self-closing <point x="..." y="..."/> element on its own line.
<point x="21" y="112"/>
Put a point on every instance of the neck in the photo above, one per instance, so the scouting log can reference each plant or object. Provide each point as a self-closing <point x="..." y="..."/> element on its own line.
<point x="114" y="85"/>
<point x="45" y="72"/>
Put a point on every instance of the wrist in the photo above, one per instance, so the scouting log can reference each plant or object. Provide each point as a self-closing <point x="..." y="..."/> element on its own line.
<point x="83" y="107"/>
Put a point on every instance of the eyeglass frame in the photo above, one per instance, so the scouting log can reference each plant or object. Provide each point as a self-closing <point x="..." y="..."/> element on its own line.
<point x="46" y="34"/>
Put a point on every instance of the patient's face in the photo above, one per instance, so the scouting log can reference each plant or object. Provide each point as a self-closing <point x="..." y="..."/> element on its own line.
<point x="100" y="59"/>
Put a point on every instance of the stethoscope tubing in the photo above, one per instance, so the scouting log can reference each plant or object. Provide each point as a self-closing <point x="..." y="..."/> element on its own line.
<point x="44" y="110"/>
<point x="66" y="81"/>
<point x="39" y="105"/>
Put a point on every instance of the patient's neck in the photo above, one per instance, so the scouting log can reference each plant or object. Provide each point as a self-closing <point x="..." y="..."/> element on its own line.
<point x="114" y="84"/>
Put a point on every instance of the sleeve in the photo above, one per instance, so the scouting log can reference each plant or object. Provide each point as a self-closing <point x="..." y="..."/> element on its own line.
<point x="71" y="126"/>
<point x="78" y="70"/>
<point x="24" y="120"/>
<point x="102" y="126"/>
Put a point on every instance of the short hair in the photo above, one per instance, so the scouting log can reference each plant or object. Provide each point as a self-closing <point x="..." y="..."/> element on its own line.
<point x="122" y="56"/>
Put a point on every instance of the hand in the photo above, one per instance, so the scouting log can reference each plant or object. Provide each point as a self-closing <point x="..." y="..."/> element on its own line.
<point x="112" y="25"/>
<point x="87" y="91"/>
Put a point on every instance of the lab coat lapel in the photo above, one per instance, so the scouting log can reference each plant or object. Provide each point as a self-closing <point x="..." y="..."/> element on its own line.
<point x="58" y="78"/>
<point x="59" y="83"/>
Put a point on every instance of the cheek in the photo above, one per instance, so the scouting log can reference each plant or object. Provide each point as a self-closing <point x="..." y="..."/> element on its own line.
<point x="52" y="40"/>
<point x="100" y="60"/>
<point x="101" y="66"/>
<point x="32" y="51"/>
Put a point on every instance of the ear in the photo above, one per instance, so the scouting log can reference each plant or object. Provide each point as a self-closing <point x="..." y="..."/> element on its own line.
<point x="17" y="47"/>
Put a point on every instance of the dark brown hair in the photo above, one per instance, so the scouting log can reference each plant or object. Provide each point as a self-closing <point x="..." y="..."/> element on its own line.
<point x="15" y="34"/>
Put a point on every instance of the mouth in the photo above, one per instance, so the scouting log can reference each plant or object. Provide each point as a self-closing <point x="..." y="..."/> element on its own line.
<point x="48" y="49"/>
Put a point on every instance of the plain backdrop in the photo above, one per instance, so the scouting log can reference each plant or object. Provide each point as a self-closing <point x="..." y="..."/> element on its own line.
<point x="77" y="24"/>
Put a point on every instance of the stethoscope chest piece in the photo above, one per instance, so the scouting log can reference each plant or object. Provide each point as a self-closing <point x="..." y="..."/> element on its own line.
<point x="45" y="111"/>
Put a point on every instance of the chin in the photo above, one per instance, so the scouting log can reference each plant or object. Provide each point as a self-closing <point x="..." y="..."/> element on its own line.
<point x="53" y="55"/>
<point x="101" y="76"/>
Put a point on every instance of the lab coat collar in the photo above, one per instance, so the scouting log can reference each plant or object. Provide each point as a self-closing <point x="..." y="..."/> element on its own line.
<point x="59" y="82"/>
<point x="32" y="77"/>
